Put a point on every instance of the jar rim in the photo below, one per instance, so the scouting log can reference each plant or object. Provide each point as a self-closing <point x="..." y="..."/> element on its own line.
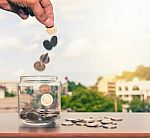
<point x="38" y="78"/>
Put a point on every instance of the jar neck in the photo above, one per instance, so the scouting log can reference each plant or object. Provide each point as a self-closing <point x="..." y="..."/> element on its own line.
<point x="38" y="78"/>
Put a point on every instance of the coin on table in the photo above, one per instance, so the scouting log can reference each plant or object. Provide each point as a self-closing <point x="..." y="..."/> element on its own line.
<point x="106" y="121"/>
<point x="67" y="123"/>
<point x="47" y="45"/>
<point x="54" y="41"/>
<point x="116" y="119"/>
<point x="34" y="116"/>
<point x="39" y="66"/>
<point x="46" y="99"/>
<point x="109" y="126"/>
<point x="80" y="124"/>
<point x="51" y="30"/>
<point x="94" y="124"/>
<point x="45" y="58"/>
<point x="88" y="120"/>
<point x="73" y="120"/>
<point x="44" y="88"/>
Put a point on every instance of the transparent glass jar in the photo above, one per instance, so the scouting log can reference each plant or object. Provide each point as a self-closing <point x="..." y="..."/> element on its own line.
<point x="39" y="101"/>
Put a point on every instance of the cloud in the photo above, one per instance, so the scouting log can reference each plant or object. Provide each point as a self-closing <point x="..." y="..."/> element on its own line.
<point x="3" y="16"/>
<point x="31" y="21"/>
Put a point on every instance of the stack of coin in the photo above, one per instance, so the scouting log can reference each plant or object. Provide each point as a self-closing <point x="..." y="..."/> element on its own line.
<point x="93" y="122"/>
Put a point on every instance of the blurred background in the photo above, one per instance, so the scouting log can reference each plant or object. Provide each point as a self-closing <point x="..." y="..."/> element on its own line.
<point x="102" y="57"/>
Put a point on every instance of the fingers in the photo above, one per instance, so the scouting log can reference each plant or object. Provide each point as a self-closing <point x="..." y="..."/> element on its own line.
<point x="43" y="12"/>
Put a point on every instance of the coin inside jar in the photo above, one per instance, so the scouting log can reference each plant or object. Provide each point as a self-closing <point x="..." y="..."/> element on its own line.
<point x="46" y="99"/>
<point x="39" y="66"/>
<point x="44" y="88"/>
<point x="33" y="116"/>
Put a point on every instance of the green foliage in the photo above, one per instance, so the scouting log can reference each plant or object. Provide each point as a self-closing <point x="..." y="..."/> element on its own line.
<point x="84" y="100"/>
<point x="72" y="85"/>
<point x="142" y="72"/>
<point x="8" y="94"/>
<point x="136" y="105"/>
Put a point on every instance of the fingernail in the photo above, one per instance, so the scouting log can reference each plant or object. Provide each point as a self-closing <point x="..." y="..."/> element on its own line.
<point x="49" y="23"/>
<point x="22" y="14"/>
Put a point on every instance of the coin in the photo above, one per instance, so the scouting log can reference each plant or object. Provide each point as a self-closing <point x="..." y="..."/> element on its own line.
<point x="106" y="121"/>
<point x="109" y="126"/>
<point x="116" y="119"/>
<point x="45" y="58"/>
<point x="54" y="41"/>
<point x="34" y="116"/>
<point x="67" y="123"/>
<point x="80" y="124"/>
<point x="23" y="115"/>
<point x="94" y="124"/>
<point x="39" y="66"/>
<point x="46" y="99"/>
<point x="88" y="120"/>
<point x="73" y="120"/>
<point x="44" y="88"/>
<point x="47" y="45"/>
<point x="51" y="30"/>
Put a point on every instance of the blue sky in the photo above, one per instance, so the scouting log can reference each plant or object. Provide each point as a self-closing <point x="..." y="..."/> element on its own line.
<point x="96" y="37"/>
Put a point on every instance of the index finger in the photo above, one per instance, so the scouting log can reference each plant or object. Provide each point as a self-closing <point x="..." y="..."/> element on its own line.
<point x="48" y="10"/>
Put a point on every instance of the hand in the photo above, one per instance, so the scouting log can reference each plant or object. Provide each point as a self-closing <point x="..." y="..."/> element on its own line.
<point x="42" y="9"/>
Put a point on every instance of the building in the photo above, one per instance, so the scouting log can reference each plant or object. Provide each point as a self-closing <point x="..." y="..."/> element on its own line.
<point x="127" y="90"/>
<point x="107" y="84"/>
<point x="11" y="86"/>
<point x="2" y="92"/>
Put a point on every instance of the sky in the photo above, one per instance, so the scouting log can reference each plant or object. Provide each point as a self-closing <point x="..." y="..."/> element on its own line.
<point x="95" y="38"/>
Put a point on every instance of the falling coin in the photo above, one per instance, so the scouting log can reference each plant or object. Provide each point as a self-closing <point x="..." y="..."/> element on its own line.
<point x="51" y="30"/>
<point x="109" y="126"/>
<point x="47" y="45"/>
<point x="67" y="123"/>
<point x="54" y="41"/>
<point x="39" y="66"/>
<point x="46" y="99"/>
<point x="44" y="88"/>
<point x="45" y="58"/>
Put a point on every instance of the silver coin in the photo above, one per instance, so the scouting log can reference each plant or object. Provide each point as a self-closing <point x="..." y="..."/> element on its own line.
<point x="116" y="119"/>
<point x="39" y="66"/>
<point x="45" y="58"/>
<point x="94" y="124"/>
<point x="109" y="126"/>
<point x="88" y="120"/>
<point x="74" y="120"/>
<point x="80" y="124"/>
<point x="106" y="121"/>
<point x="33" y="116"/>
<point x="67" y="123"/>
<point x="54" y="41"/>
<point x="97" y="119"/>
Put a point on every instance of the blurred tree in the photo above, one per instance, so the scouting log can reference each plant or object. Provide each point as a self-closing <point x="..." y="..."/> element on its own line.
<point x="9" y="94"/>
<point x="85" y="100"/>
<point x="136" y="105"/>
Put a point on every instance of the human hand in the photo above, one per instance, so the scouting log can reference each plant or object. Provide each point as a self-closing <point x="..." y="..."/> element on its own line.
<point x="42" y="9"/>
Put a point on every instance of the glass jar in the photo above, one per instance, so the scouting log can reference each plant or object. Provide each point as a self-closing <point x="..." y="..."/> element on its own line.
<point x="39" y="101"/>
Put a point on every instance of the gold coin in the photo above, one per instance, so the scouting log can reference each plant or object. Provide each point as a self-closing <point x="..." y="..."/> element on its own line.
<point x="51" y="30"/>
<point x="44" y="88"/>
<point x="46" y="100"/>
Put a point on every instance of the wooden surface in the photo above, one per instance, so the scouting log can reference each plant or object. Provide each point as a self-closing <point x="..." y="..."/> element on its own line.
<point x="134" y="125"/>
